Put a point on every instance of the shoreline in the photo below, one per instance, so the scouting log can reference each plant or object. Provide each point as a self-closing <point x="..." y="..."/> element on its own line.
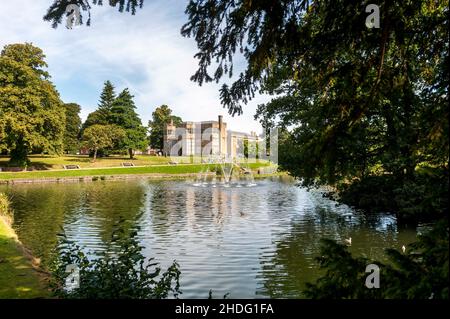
<point x="119" y="177"/>
<point x="91" y="178"/>
<point x="20" y="273"/>
<point x="122" y="173"/>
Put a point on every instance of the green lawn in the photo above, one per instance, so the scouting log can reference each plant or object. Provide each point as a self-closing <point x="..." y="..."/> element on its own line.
<point x="155" y="169"/>
<point x="55" y="162"/>
<point x="18" y="279"/>
<point x="48" y="162"/>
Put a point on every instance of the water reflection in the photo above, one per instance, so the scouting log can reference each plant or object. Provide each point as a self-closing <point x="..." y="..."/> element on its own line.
<point x="252" y="242"/>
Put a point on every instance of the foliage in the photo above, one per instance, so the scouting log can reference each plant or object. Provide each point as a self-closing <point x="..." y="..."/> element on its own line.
<point x="98" y="137"/>
<point x="107" y="98"/>
<point x="160" y="118"/>
<point x="419" y="273"/>
<point x="354" y="101"/>
<point x="125" y="274"/>
<point x="18" y="279"/>
<point x="73" y="126"/>
<point x="423" y="196"/>
<point x="57" y="10"/>
<point x="93" y="118"/>
<point x="5" y="209"/>
<point x="102" y="113"/>
<point x="31" y="112"/>
<point x="251" y="149"/>
<point x="123" y="114"/>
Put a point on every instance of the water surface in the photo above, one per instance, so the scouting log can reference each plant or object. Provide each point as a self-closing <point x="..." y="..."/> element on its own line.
<point x="258" y="241"/>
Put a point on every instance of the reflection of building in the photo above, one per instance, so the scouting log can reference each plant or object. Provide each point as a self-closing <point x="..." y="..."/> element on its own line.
<point x="205" y="138"/>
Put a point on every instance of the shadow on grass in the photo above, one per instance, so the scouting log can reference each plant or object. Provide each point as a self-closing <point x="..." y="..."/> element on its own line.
<point x="18" y="278"/>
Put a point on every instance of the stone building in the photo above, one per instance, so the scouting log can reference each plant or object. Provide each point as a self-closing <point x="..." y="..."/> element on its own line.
<point x="205" y="138"/>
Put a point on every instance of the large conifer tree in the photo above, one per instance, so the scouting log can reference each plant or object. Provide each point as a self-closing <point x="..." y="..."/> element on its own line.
<point x="123" y="114"/>
<point x="107" y="98"/>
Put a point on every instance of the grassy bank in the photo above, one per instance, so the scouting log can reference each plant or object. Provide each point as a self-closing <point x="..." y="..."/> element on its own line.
<point x="46" y="162"/>
<point x="18" y="278"/>
<point x="111" y="171"/>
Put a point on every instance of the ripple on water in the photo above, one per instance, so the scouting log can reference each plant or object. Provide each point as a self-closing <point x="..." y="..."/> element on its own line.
<point x="257" y="241"/>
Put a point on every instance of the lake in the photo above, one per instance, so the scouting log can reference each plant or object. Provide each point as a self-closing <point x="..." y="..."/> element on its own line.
<point x="250" y="242"/>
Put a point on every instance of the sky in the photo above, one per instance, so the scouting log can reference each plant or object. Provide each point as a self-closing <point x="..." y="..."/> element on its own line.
<point x="145" y="53"/>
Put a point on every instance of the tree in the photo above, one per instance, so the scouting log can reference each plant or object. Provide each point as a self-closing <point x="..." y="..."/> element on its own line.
<point x="356" y="102"/>
<point x="97" y="137"/>
<point x="57" y="10"/>
<point x="123" y="114"/>
<point x="102" y="114"/>
<point x="128" y="274"/>
<point x="107" y="98"/>
<point x="93" y="118"/>
<point x="31" y="112"/>
<point x="160" y="118"/>
<point x="73" y="126"/>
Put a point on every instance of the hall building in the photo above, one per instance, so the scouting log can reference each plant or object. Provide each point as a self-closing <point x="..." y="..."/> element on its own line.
<point x="205" y="138"/>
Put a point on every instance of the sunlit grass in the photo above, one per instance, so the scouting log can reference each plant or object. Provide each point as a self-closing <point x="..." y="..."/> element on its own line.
<point x="18" y="279"/>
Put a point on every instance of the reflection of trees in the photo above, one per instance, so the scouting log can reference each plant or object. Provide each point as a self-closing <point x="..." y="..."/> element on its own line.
<point x="175" y="207"/>
<point x="103" y="206"/>
<point x="284" y="273"/>
<point x="166" y="206"/>
<point x="87" y="212"/>
<point x="39" y="212"/>
<point x="286" y="270"/>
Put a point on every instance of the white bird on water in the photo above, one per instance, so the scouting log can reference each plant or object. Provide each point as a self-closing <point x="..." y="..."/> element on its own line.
<point x="348" y="241"/>
<point x="403" y="248"/>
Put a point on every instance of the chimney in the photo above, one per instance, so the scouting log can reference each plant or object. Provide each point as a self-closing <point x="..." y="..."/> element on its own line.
<point x="171" y="122"/>
<point x="220" y="122"/>
<point x="220" y="133"/>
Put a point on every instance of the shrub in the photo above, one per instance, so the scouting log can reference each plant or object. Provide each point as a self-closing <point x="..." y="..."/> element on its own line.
<point x="127" y="274"/>
<point x="5" y="210"/>
<point x="421" y="197"/>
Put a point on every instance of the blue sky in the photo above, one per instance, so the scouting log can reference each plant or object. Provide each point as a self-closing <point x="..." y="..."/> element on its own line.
<point x="145" y="53"/>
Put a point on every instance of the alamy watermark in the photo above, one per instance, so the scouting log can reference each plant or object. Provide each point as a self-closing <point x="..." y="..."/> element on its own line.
<point x="373" y="19"/>
<point x="206" y="145"/>
<point x="73" y="279"/>
<point x="73" y="16"/>
<point x="373" y="279"/>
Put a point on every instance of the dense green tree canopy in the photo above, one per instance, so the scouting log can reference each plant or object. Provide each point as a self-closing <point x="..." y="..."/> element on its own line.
<point x="160" y="117"/>
<point x="102" y="113"/>
<point x="31" y="112"/>
<point x="93" y="118"/>
<point x="355" y="101"/>
<point x="98" y="136"/>
<point x="73" y="126"/>
<point x="123" y="114"/>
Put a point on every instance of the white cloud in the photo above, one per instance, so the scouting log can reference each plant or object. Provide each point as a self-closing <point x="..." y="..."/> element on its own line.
<point x="144" y="52"/>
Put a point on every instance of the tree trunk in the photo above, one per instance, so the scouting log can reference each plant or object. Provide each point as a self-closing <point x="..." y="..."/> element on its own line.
<point x="19" y="155"/>
<point x="95" y="155"/>
<point x="130" y="151"/>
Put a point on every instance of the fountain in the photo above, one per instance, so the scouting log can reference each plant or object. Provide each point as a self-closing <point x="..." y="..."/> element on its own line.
<point x="228" y="172"/>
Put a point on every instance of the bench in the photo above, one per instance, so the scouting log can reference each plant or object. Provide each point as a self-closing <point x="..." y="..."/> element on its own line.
<point x="71" y="167"/>
<point x="125" y="164"/>
<point x="11" y="169"/>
